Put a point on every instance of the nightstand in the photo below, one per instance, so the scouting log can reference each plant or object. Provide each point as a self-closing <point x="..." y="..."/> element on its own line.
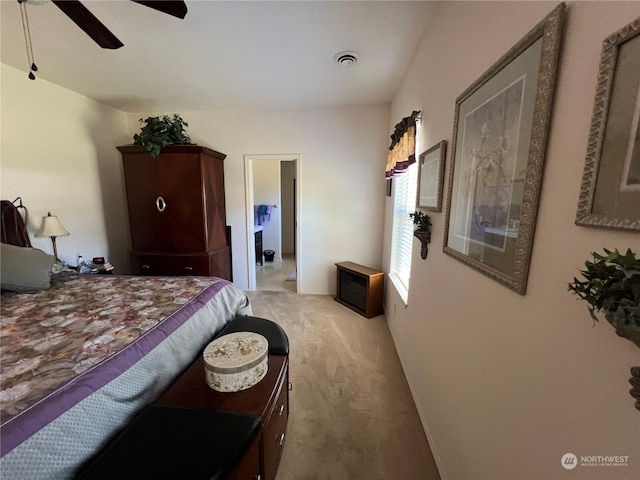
<point x="90" y="268"/>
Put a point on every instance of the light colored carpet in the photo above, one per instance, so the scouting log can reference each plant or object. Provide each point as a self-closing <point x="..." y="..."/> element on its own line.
<point x="292" y="276"/>
<point x="351" y="413"/>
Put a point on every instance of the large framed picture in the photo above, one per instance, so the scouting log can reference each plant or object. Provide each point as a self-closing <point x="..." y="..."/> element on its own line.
<point x="431" y="177"/>
<point x="497" y="157"/>
<point x="610" y="188"/>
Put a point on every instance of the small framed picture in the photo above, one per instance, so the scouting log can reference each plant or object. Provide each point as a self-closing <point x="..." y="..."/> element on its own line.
<point x="431" y="177"/>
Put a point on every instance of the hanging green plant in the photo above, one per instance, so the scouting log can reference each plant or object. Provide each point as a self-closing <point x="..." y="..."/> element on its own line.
<point x="421" y="220"/>
<point x="159" y="132"/>
<point x="611" y="285"/>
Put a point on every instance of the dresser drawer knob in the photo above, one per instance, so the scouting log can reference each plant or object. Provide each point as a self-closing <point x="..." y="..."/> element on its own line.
<point x="281" y="439"/>
<point x="281" y="409"/>
<point x="146" y="267"/>
<point x="188" y="269"/>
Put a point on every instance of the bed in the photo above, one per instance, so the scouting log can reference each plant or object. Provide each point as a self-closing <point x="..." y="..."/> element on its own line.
<point x="82" y="355"/>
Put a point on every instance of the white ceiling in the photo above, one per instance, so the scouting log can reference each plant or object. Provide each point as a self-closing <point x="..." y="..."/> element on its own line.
<point x="224" y="54"/>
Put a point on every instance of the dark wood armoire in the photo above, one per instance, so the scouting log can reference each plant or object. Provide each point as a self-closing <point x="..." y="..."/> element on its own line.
<point x="177" y="211"/>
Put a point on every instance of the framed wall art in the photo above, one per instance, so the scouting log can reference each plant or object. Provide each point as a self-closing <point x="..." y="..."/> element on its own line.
<point x="610" y="188"/>
<point x="431" y="177"/>
<point x="497" y="157"/>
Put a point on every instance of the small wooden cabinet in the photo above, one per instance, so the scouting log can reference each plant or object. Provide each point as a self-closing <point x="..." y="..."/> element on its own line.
<point x="177" y="211"/>
<point x="268" y="399"/>
<point x="360" y="288"/>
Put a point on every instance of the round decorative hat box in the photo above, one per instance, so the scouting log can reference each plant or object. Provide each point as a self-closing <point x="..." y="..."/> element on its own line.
<point x="236" y="361"/>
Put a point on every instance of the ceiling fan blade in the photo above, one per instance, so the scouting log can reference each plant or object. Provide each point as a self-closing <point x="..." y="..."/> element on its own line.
<point x="88" y="23"/>
<point x="171" y="7"/>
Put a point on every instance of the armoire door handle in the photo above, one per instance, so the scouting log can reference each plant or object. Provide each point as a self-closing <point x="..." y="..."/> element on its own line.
<point x="161" y="204"/>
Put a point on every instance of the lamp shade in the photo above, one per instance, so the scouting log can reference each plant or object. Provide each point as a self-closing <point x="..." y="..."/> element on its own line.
<point x="51" y="227"/>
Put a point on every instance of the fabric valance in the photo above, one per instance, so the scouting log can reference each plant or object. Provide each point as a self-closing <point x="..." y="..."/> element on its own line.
<point x="402" y="151"/>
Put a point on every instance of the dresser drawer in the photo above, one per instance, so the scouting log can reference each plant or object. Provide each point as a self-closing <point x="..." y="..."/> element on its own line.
<point x="249" y="467"/>
<point x="274" y="433"/>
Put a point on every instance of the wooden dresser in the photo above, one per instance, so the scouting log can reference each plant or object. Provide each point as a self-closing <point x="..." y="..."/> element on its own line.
<point x="177" y="211"/>
<point x="268" y="399"/>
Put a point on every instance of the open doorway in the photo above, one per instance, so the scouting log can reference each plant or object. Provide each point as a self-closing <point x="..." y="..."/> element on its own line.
<point x="272" y="219"/>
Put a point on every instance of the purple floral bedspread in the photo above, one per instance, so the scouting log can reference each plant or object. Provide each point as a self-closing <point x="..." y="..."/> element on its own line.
<point x="51" y="336"/>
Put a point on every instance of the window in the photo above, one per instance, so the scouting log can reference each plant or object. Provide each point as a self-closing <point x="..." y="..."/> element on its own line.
<point x="402" y="167"/>
<point x="405" y="191"/>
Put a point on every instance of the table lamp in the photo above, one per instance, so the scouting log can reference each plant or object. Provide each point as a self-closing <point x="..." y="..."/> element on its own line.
<point x="51" y="227"/>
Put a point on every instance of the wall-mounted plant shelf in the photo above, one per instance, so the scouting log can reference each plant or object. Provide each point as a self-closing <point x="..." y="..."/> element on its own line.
<point x="425" y="239"/>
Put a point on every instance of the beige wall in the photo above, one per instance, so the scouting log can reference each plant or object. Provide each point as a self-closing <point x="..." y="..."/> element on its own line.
<point x="58" y="154"/>
<point x="507" y="384"/>
<point x="341" y="187"/>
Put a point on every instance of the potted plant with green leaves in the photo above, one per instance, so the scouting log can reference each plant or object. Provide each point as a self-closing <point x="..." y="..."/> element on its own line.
<point x="159" y="132"/>
<point x="422" y="232"/>
<point x="611" y="286"/>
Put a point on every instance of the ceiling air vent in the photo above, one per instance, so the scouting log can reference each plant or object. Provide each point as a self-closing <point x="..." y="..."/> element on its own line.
<point x="346" y="59"/>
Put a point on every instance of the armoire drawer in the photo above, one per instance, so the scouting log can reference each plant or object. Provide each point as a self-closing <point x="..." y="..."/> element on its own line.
<point x="146" y="265"/>
<point x="175" y="265"/>
<point x="191" y="265"/>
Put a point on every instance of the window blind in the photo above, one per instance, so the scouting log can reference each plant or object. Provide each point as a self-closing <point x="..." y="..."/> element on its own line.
<point x="405" y="187"/>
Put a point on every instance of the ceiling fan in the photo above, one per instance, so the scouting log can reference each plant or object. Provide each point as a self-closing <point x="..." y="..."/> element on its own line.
<point x="93" y="27"/>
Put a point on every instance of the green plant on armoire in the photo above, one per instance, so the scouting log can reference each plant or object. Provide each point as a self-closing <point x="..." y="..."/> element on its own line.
<point x="158" y="132"/>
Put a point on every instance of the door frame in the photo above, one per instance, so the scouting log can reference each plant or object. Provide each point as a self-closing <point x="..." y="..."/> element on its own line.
<point x="248" y="182"/>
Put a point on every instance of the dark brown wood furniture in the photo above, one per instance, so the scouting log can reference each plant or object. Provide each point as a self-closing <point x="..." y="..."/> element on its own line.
<point x="169" y="443"/>
<point x="177" y="211"/>
<point x="360" y="288"/>
<point x="258" y="241"/>
<point x="269" y="399"/>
